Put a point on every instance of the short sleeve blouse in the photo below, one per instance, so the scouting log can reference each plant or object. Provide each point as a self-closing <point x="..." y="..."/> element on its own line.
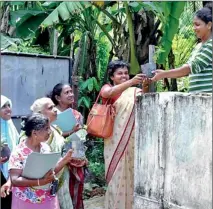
<point x="113" y="99"/>
<point x="17" y="161"/>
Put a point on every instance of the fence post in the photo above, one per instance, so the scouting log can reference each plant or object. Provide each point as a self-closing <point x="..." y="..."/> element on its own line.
<point x="55" y="42"/>
<point x="149" y="67"/>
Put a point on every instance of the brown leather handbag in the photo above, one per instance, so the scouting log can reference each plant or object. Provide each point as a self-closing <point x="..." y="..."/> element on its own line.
<point x="100" y="120"/>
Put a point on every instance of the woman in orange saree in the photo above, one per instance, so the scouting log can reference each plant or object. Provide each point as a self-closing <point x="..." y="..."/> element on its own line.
<point x="119" y="148"/>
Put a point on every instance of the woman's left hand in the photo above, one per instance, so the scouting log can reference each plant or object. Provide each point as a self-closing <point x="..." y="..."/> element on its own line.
<point x="75" y="162"/>
<point x="5" y="189"/>
<point x="75" y="129"/>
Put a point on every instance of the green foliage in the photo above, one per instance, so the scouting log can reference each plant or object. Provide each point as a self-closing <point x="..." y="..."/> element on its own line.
<point x="170" y="28"/>
<point x="102" y="58"/>
<point x="183" y="84"/>
<point x="182" y="48"/>
<point x="27" y="22"/>
<point x="90" y="87"/>
<point x="7" y="41"/>
<point x="26" y="47"/>
<point x="64" y="11"/>
<point x="134" y="65"/>
<point x="96" y="161"/>
<point x="160" y="86"/>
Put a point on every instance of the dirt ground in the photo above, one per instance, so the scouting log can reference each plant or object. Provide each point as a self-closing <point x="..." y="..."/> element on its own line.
<point x="94" y="203"/>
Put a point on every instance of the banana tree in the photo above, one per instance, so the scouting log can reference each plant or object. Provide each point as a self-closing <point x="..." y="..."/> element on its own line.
<point x="85" y="67"/>
<point x="68" y="17"/>
<point x="174" y="10"/>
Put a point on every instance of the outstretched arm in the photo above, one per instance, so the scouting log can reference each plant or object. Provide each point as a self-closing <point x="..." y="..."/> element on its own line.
<point x="174" y="73"/>
<point x="111" y="91"/>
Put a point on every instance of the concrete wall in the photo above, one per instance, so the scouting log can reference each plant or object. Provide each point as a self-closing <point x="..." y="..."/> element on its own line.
<point x="173" y="151"/>
<point x="27" y="77"/>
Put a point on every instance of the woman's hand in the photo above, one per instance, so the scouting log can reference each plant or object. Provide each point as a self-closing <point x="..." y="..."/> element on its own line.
<point x="145" y="85"/>
<point x="48" y="177"/>
<point x="159" y="74"/>
<point x="138" y="79"/>
<point x="68" y="157"/>
<point x="5" y="189"/>
<point x="75" y="129"/>
<point x="75" y="162"/>
<point x="146" y="82"/>
<point x="64" y="161"/>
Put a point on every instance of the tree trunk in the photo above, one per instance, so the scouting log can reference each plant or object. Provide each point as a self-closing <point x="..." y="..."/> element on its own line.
<point x="5" y="19"/>
<point x="55" y="42"/>
<point x="171" y="59"/>
<point x="144" y="23"/>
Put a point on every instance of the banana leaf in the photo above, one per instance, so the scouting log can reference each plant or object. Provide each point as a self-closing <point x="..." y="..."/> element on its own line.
<point x="29" y="28"/>
<point x="134" y="65"/>
<point x="170" y="29"/>
<point x="20" y="16"/>
<point x="64" y="11"/>
<point x="50" y="4"/>
<point x="7" y="41"/>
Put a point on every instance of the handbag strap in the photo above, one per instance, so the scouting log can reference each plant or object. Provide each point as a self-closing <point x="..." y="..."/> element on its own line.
<point x="109" y="99"/>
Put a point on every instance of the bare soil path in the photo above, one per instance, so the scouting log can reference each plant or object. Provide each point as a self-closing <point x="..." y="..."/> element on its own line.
<point x="94" y="203"/>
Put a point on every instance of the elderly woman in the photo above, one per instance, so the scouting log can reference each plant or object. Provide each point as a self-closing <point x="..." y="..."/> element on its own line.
<point x="46" y="107"/>
<point x="25" y="193"/>
<point x="62" y="96"/>
<point x="9" y="135"/>
<point x="199" y="66"/>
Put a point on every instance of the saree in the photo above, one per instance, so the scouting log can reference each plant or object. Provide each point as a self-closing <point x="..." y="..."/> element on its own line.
<point x="119" y="153"/>
<point x="56" y="143"/>
<point x="77" y="173"/>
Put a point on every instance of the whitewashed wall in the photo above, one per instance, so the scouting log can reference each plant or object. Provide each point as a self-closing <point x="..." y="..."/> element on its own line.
<point x="173" y="151"/>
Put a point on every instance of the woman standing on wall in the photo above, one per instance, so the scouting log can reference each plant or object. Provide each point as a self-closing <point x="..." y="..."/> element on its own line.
<point x="199" y="66"/>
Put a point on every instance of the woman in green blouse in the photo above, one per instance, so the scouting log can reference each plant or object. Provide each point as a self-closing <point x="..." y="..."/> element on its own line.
<point x="199" y="67"/>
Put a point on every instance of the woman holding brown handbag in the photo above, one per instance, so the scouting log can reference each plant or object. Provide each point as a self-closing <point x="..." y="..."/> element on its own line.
<point x="119" y="148"/>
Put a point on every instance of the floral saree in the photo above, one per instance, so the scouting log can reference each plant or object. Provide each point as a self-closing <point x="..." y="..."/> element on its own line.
<point x="119" y="153"/>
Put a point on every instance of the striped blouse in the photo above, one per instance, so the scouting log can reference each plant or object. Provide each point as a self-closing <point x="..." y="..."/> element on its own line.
<point x="200" y="79"/>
